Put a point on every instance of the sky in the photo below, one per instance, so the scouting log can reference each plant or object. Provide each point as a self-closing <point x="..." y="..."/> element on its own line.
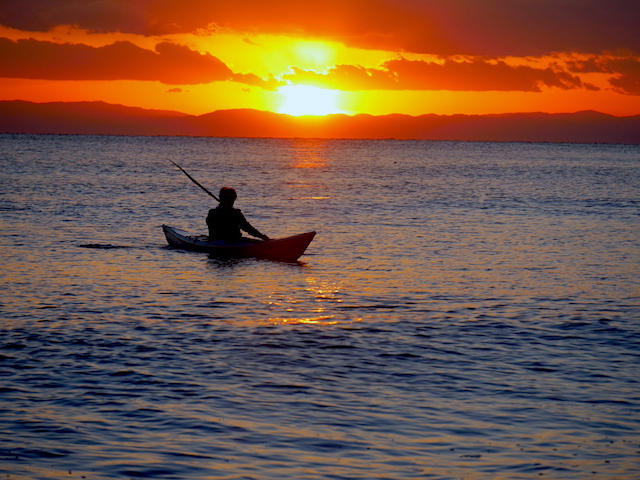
<point x="315" y="57"/>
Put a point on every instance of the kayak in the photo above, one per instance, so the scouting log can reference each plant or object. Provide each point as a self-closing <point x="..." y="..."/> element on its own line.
<point x="287" y="249"/>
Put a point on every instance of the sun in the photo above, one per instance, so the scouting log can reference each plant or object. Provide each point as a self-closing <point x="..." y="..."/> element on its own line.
<point x="298" y="100"/>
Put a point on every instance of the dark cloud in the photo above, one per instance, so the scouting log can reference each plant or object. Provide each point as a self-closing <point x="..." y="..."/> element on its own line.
<point x="169" y="63"/>
<point x="626" y="84"/>
<point x="625" y="71"/>
<point x="627" y="79"/>
<point x="95" y="15"/>
<point x="466" y="27"/>
<point x="477" y="75"/>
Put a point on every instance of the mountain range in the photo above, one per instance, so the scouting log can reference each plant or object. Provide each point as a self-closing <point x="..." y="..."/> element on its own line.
<point x="99" y="118"/>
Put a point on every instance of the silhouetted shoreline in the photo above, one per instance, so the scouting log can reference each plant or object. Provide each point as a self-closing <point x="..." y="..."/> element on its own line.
<point x="99" y="118"/>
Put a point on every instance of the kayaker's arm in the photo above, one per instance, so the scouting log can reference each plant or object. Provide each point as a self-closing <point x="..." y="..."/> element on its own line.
<point x="247" y="227"/>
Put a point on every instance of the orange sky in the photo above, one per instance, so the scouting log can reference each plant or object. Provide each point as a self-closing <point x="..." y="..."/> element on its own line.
<point x="335" y="56"/>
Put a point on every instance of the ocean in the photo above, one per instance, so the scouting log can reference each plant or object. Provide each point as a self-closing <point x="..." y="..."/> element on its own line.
<point x="467" y="310"/>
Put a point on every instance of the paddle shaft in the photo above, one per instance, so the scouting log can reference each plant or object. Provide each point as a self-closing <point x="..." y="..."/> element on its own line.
<point x="194" y="180"/>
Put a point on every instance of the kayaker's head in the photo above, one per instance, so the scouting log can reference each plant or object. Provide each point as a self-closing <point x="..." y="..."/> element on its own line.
<point x="227" y="196"/>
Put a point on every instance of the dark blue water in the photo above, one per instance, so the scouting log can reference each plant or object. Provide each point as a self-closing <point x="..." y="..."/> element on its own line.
<point x="467" y="310"/>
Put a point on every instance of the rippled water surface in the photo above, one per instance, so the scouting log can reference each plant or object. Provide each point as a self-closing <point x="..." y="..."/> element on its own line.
<point x="466" y="310"/>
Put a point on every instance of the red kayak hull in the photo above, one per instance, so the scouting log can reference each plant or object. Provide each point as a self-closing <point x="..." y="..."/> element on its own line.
<point x="287" y="249"/>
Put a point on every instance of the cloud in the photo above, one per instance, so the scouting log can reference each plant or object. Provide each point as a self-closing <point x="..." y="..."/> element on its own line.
<point x="474" y="75"/>
<point x="94" y="15"/>
<point x="461" y="27"/>
<point x="625" y="71"/>
<point x="169" y="63"/>
<point x="479" y="75"/>
<point x="248" y="41"/>
<point x="254" y="80"/>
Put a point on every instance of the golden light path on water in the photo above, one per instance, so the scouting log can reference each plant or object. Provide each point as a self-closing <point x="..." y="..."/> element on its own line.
<point x="325" y="295"/>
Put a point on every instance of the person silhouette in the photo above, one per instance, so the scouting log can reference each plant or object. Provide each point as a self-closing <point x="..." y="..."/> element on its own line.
<point x="226" y="222"/>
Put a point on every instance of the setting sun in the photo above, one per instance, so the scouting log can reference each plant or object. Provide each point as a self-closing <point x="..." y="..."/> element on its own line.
<point x="298" y="100"/>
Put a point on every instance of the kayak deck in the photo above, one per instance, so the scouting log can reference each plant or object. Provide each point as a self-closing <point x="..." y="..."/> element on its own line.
<point x="283" y="249"/>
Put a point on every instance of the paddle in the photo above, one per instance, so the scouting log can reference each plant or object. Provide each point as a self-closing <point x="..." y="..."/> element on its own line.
<point x="194" y="180"/>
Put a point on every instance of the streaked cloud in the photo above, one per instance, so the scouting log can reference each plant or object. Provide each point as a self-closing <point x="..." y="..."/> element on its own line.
<point x="625" y="71"/>
<point x="471" y="75"/>
<point x="464" y="27"/>
<point x="169" y="63"/>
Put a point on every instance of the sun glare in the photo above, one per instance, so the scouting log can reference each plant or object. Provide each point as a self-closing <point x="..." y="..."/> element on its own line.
<point x="320" y="54"/>
<point x="298" y="100"/>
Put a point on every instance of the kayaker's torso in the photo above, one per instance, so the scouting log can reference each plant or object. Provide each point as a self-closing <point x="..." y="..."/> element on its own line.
<point x="225" y="223"/>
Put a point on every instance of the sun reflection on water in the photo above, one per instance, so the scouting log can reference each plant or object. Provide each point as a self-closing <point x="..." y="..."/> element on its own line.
<point x="309" y="153"/>
<point x="324" y="320"/>
<point x="324" y="295"/>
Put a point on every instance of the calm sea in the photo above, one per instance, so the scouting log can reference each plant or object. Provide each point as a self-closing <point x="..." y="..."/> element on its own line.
<point x="466" y="311"/>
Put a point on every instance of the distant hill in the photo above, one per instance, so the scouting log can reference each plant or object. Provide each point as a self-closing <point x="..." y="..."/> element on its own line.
<point x="107" y="119"/>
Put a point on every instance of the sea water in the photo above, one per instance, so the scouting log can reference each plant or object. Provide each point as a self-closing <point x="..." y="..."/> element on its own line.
<point x="466" y="311"/>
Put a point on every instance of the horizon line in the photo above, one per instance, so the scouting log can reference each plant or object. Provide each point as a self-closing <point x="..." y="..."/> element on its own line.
<point x="536" y="112"/>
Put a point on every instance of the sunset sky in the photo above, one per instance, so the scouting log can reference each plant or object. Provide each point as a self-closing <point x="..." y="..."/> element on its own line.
<point x="317" y="57"/>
